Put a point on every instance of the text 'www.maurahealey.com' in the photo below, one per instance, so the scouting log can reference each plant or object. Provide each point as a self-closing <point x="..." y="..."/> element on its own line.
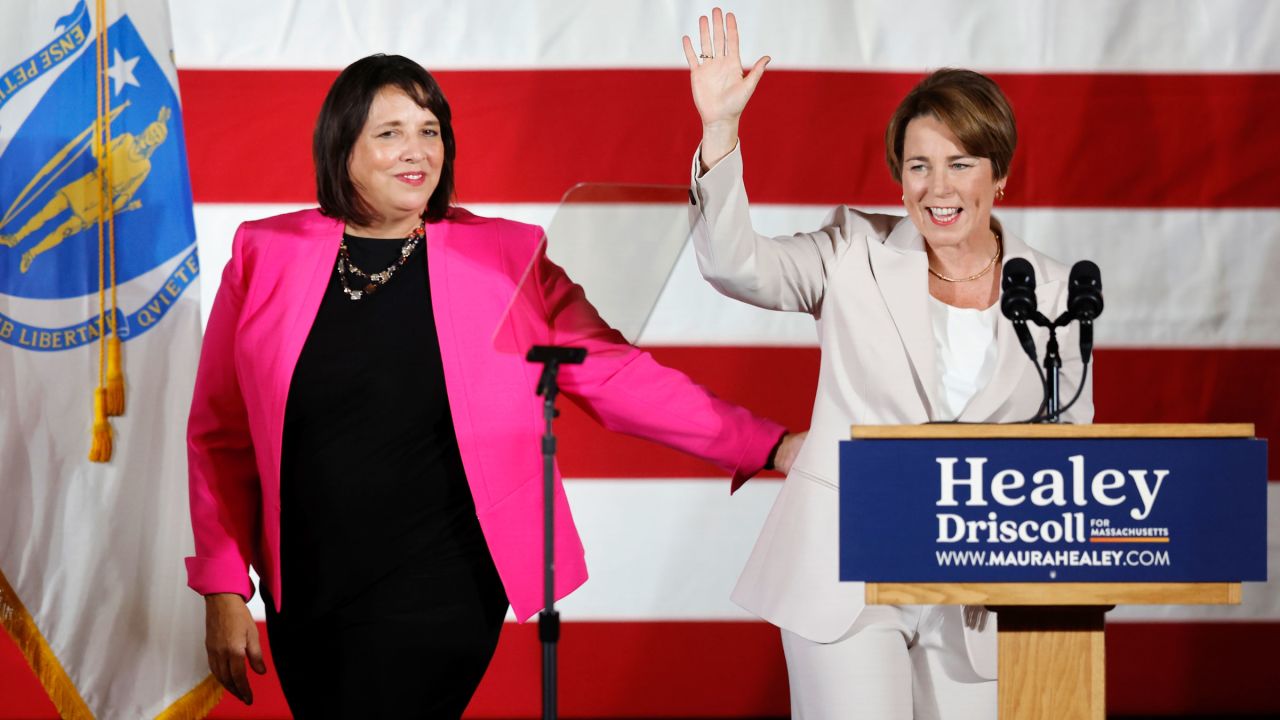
<point x="1052" y="558"/>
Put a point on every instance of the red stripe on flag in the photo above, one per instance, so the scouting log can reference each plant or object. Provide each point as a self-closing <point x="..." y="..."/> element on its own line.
<point x="735" y="669"/>
<point x="641" y="670"/>
<point x="1088" y="140"/>
<point x="1130" y="385"/>
<point x="1209" y="669"/>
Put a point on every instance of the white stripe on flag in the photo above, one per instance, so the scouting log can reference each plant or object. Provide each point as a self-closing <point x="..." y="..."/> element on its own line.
<point x="1010" y="35"/>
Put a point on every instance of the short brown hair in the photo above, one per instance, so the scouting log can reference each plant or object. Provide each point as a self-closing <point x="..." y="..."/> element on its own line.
<point x="342" y="117"/>
<point x="970" y="104"/>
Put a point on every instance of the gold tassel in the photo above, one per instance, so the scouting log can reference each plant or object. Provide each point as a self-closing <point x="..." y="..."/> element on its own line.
<point x="100" y="452"/>
<point x="115" y="378"/>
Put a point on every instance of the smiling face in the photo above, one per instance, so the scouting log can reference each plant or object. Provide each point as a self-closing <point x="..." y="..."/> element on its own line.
<point x="947" y="192"/>
<point x="395" y="162"/>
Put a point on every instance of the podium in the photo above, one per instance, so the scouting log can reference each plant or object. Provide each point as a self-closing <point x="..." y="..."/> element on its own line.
<point x="1051" y="630"/>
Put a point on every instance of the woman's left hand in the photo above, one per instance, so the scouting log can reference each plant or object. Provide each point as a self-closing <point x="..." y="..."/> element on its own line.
<point x="788" y="450"/>
<point x="975" y="617"/>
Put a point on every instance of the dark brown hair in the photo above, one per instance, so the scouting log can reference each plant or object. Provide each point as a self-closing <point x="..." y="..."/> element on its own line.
<point x="971" y="105"/>
<point x="342" y="117"/>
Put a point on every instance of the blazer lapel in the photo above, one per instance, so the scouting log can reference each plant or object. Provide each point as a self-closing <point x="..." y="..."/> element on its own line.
<point x="901" y="269"/>
<point x="1011" y="360"/>
<point x="312" y="254"/>
<point x="454" y="304"/>
<point x="437" y="258"/>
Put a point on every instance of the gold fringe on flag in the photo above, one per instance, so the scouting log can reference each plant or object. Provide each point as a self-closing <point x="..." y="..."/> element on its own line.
<point x="197" y="703"/>
<point x="22" y="628"/>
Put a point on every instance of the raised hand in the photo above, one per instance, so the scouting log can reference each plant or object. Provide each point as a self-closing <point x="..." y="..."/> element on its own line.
<point x="720" y="88"/>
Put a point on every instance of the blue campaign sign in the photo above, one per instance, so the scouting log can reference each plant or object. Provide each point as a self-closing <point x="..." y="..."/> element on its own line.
<point x="1061" y="510"/>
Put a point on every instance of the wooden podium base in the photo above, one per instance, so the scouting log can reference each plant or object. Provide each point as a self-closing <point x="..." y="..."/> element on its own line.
<point x="1052" y="662"/>
<point x="1052" y="659"/>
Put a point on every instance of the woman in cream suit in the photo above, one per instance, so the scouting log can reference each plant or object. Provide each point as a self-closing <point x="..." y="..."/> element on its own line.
<point x="910" y="333"/>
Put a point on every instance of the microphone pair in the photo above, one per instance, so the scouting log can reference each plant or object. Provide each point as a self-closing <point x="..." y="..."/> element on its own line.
<point x="1084" y="302"/>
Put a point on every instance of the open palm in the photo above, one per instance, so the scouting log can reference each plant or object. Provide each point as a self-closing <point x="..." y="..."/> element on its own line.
<point x="720" y="88"/>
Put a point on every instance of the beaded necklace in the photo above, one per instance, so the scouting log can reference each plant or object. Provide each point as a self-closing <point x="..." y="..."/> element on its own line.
<point x="373" y="281"/>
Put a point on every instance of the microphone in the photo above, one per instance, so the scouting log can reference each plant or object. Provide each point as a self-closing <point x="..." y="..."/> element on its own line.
<point x="1084" y="301"/>
<point x="1084" y="291"/>
<point x="1018" y="300"/>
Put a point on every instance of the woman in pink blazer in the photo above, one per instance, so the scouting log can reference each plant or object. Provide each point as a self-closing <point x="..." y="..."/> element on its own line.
<point x="356" y="437"/>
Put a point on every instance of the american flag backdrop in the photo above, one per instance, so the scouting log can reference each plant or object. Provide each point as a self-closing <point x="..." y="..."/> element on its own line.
<point x="1148" y="142"/>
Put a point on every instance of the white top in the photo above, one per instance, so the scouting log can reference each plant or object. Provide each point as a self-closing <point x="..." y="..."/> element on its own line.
<point x="965" y="339"/>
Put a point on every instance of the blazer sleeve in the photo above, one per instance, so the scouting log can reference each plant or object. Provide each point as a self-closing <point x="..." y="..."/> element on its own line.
<point x="776" y="273"/>
<point x="222" y="469"/>
<point x="626" y="390"/>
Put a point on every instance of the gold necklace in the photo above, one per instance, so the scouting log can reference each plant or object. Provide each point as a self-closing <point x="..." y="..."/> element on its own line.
<point x="975" y="276"/>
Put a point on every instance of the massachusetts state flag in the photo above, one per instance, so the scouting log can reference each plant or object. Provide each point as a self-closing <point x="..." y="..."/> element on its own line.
<point x="1147" y="143"/>
<point x="99" y="296"/>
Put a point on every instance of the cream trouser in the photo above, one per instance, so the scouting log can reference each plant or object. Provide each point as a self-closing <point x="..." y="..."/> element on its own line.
<point x="895" y="663"/>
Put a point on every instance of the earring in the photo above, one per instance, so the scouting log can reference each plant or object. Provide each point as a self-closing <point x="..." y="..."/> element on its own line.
<point x="999" y="194"/>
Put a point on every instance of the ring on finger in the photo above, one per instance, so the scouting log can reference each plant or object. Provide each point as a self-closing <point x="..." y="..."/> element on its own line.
<point x="706" y="57"/>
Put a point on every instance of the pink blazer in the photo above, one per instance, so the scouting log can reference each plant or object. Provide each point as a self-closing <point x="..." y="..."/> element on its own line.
<point x="270" y="293"/>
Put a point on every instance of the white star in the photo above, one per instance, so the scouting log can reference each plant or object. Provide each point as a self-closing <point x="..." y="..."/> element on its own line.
<point x="121" y="71"/>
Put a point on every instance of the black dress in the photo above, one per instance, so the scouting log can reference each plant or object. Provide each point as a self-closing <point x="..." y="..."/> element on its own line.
<point x="391" y="603"/>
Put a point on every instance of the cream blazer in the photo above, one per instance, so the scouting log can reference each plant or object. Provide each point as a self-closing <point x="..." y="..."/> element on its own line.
<point x="864" y="279"/>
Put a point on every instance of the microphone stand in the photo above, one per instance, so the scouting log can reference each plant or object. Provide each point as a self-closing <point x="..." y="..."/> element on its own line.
<point x="1052" y="363"/>
<point x="1084" y="303"/>
<point x="1053" y="374"/>
<point x="551" y="358"/>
